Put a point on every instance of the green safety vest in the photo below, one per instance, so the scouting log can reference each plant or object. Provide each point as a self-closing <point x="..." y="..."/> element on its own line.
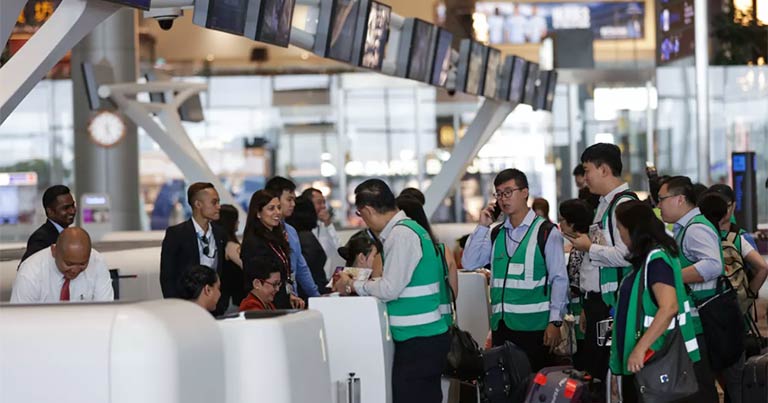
<point x="700" y="291"/>
<point x="519" y="293"/>
<point x="618" y="360"/>
<point x="416" y="312"/>
<point x="445" y="294"/>
<point x="611" y="276"/>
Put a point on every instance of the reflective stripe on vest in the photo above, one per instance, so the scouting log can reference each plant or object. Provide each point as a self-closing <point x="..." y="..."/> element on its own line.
<point x="415" y="320"/>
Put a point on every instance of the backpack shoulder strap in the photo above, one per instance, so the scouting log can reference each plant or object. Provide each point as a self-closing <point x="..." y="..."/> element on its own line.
<point x="612" y="207"/>
<point x="543" y="235"/>
<point x="495" y="232"/>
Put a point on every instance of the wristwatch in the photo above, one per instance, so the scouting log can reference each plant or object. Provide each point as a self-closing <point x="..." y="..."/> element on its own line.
<point x="557" y="323"/>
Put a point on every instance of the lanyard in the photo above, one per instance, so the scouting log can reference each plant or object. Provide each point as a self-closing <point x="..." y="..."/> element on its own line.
<point x="283" y="258"/>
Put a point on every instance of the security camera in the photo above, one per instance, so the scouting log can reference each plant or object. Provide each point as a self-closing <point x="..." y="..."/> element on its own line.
<point x="164" y="16"/>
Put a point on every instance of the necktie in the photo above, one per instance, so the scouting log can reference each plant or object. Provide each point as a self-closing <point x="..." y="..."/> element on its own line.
<point x="64" y="296"/>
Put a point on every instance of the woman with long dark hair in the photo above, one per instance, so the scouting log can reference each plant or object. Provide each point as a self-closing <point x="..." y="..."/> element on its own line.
<point x="304" y="220"/>
<point x="232" y="273"/>
<point x="654" y="253"/>
<point x="265" y="238"/>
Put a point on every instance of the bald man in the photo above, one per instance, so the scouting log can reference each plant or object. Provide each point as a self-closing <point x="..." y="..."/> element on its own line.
<point x="68" y="271"/>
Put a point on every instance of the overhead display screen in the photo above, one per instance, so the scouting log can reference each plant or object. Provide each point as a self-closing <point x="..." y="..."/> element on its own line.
<point x="275" y="22"/>
<point x="376" y="35"/>
<point x="530" y="83"/>
<point x="222" y="15"/>
<point x="492" y="70"/>
<point x="674" y="30"/>
<point x="441" y="64"/>
<point x="517" y="82"/>
<point x="421" y="45"/>
<point x="342" y="29"/>
<point x="476" y="69"/>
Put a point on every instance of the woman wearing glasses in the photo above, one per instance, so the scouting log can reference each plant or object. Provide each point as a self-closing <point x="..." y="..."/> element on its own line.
<point x="265" y="238"/>
<point x="263" y="275"/>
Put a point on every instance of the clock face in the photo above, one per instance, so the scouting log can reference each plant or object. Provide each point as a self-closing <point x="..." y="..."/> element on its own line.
<point x="106" y="129"/>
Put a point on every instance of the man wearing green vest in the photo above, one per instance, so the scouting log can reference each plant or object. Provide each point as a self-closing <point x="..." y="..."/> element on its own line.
<point x="526" y="308"/>
<point x="600" y="280"/>
<point x="414" y="288"/>
<point x="701" y="262"/>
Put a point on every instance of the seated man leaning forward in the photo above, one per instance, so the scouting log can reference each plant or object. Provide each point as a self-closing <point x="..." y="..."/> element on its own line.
<point x="67" y="271"/>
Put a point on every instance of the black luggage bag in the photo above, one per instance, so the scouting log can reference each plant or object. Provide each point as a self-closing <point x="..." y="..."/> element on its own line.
<point x="754" y="381"/>
<point x="506" y="374"/>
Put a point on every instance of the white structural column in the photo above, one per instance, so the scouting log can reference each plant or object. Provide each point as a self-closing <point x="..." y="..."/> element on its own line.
<point x="701" y="29"/>
<point x="173" y="139"/>
<point x="650" y="127"/>
<point x="72" y="20"/>
<point x="489" y="117"/>
<point x="9" y="13"/>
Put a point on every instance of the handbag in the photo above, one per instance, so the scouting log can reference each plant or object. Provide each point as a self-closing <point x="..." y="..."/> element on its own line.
<point x="464" y="360"/>
<point x="721" y="319"/>
<point x="668" y="375"/>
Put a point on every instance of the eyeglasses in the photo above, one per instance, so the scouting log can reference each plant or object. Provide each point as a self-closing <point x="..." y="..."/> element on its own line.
<point x="206" y="247"/>
<point x="506" y="193"/>
<point x="662" y="198"/>
<point x="274" y="285"/>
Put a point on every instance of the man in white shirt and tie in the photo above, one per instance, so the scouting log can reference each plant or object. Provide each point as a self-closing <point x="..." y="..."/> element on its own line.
<point x="67" y="271"/>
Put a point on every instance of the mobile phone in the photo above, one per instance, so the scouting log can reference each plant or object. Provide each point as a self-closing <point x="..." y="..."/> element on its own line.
<point x="496" y="211"/>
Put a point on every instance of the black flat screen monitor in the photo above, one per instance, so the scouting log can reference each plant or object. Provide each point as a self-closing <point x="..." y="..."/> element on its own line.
<point x="492" y="70"/>
<point x="222" y="15"/>
<point x="530" y="83"/>
<point x="95" y="75"/>
<point x="517" y="81"/>
<point x="140" y="4"/>
<point x="441" y="63"/>
<point x="275" y="22"/>
<point x="341" y="29"/>
<point x="375" y="36"/>
<point x="551" y="87"/>
<point x="476" y="69"/>
<point x="419" y="57"/>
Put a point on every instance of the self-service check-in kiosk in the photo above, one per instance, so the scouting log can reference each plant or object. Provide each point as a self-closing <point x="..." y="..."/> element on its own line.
<point x="359" y="343"/>
<point x="276" y="357"/>
<point x="167" y="351"/>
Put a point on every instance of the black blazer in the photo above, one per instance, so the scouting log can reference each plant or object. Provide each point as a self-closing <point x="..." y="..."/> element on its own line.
<point x="180" y="251"/>
<point x="42" y="238"/>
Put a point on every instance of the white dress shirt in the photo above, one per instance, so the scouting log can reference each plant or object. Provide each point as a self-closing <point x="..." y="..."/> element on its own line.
<point x="329" y="240"/>
<point x="609" y="255"/>
<point x="402" y="253"/>
<point x="205" y="260"/>
<point x="58" y="227"/>
<point x="39" y="281"/>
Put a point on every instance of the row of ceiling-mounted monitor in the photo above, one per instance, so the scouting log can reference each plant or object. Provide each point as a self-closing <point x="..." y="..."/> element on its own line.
<point x="356" y="32"/>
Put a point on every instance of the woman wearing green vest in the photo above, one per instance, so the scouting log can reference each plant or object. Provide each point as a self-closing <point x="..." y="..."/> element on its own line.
<point x="664" y="297"/>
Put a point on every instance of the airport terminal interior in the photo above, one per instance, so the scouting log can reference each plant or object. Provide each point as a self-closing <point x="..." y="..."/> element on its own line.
<point x="363" y="201"/>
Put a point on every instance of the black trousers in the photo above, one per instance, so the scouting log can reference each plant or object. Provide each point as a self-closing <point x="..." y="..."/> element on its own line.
<point x="417" y="367"/>
<point x="595" y="358"/>
<point x="704" y="377"/>
<point x="530" y="342"/>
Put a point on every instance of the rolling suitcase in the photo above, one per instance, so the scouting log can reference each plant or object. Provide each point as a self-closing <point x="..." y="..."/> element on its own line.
<point x="560" y="385"/>
<point x="754" y="381"/>
<point x="506" y="374"/>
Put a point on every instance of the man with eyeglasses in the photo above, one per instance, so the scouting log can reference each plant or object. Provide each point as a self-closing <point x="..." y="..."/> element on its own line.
<point x="414" y="288"/>
<point x="197" y="241"/>
<point x="529" y="284"/>
<point x="701" y="262"/>
<point x="604" y="263"/>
